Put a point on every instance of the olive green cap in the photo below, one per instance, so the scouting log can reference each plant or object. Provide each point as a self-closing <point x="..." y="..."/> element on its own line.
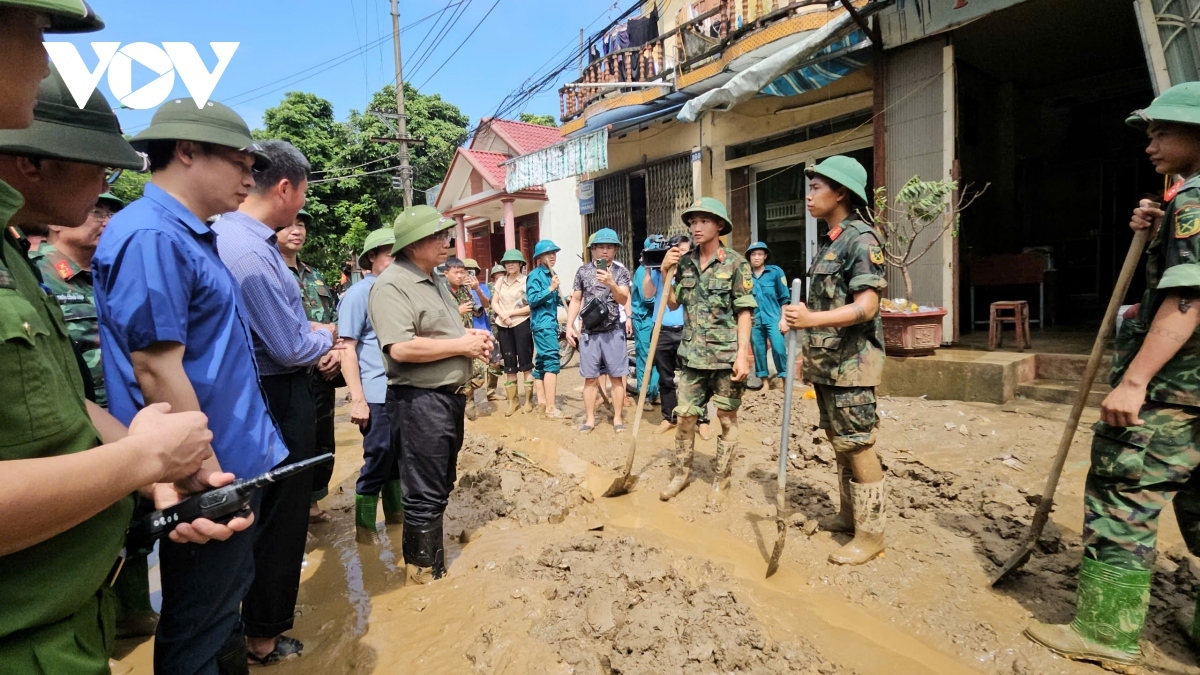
<point x="513" y="255"/>
<point x="470" y="264"/>
<point x="62" y="130"/>
<point x="1180" y="104"/>
<point x="306" y="217"/>
<point x="416" y="223"/>
<point x="66" y="16"/>
<point x="111" y="201"/>
<point x="846" y="171"/>
<point x="384" y="236"/>
<point x="216" y="123"/>
<point x="712" y="207"/>
<point x="496" y="269"/>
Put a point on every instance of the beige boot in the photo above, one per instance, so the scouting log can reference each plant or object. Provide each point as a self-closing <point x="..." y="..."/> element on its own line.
<point x="528" y="407"/>
<point x="493" y="381"/>
<point x="870" y="500"/>
<point x="510" y="392"/>
<point x="472" y="411"/>
<point x="844" y="520"/>
<point x="683" y="469"/>
<point x="722" y="468"/>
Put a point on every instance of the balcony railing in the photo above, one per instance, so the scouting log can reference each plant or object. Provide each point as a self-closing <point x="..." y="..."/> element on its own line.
<point x="692" y="43"/>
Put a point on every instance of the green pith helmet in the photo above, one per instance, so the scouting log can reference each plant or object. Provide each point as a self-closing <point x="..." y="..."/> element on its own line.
<point x="496" y="269"/>
<point x="1180" y="103"/>
<point x="306" y="217"/>
<point x="66" y="16"/>
<point x="513" y="255"/>
<point x="845" y="171"/>
<point x="216" y="123"/>
<point x="543" y="247"/>
<point x="604" y="236"/>
<point x="758" y="246"/>
<point x="111" y="201"/>
<point x="384" y="236"/>
<point x="470" y="264"/>
<point x="61" y="130"/>
<point x="416" y="223"/>
<point x="713" y="207"/>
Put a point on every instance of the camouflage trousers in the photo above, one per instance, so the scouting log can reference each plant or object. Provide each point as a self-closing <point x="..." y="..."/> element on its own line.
<point x="479" y="373"/>
<point x="1135" y="471"/>
<point x="849" y="414"/>
<point x="697" y="386"/>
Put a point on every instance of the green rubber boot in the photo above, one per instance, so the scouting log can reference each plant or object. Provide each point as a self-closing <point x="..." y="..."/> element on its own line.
<point x="365" y="508"/>
<point x="393" y="503"/>
<point x="1111" y="605"/>
<point x="510" y="392"/>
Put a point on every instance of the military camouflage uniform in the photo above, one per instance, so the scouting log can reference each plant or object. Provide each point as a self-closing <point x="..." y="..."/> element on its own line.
<point x="1135" y="471"/>
<point x="320" y="305"/>
<point x="846" y="364"/>
<point x="712" y="298"/>
<point x="72" y="286"/>
<point x="478" y="367"/>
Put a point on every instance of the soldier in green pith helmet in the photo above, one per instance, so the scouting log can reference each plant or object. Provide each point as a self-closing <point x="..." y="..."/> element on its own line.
<point x="1144" y="452"/>
<point x="843" y="348"/>
<point x="714" y="285"/>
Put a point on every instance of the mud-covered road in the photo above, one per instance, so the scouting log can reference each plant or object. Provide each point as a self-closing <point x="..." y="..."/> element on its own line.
<point x="548" y="577"/>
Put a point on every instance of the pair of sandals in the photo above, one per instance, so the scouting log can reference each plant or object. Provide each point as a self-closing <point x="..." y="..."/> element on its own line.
<point x="587" y="428"/>
<point x="286" y="648"/>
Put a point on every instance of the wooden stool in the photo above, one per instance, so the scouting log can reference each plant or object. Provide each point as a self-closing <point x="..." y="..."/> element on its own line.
<point x="1009" y="311"/>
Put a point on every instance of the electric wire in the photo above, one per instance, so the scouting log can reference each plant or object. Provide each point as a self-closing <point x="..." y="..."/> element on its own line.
<point x="460" y="46"/>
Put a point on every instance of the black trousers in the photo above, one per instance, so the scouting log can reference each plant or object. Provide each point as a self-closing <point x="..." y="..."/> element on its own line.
<point x="381" y="458"/>
<point x="323" y="393"/>
<point x="666" y="362"/>
<point x="427" y="426"/>
<point x="516" y="345"/>
<point x="202" y="587"/>
<point x="270" y="606"/>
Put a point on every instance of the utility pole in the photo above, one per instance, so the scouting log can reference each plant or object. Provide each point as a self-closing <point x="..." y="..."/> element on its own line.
<point x="402" y="122"/>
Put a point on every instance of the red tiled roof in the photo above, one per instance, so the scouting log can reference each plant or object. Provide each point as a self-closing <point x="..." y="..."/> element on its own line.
<point x="488" y="164"/>
<point x="525" y="138"/>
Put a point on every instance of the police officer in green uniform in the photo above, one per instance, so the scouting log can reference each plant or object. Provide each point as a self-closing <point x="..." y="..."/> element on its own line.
<point x="716" y="288"/>
<point x="1144" y="451"/>
<point x="843" y="349"/>
<point x="320" y="304"/>
<point x="66" y="504"/>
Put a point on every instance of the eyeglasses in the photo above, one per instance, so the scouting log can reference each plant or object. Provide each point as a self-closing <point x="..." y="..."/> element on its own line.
<point x="102" y="215"/>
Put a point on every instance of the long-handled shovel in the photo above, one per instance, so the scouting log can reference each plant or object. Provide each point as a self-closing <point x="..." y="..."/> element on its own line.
<point x="622" y="485"/>
<point x="1085" y="387"/>
<point x="784" y="437"/>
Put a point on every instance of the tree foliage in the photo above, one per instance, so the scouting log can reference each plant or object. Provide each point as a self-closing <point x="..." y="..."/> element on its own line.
<point x="544" y="120"/>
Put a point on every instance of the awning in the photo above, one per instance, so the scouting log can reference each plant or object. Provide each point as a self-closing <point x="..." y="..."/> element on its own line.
<point x="561" y="160"/>
<point x="748" y="83"/>
<point x="832" y="63"/>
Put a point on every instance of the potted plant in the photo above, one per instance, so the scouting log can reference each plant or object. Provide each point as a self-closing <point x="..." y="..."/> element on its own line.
<point x="920" y="214"/>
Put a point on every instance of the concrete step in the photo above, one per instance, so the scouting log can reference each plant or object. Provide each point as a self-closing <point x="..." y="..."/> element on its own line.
<point x="1062" y="391"/>
<point x="1069" y="367"/>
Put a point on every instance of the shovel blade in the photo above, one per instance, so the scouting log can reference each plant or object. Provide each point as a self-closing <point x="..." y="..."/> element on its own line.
<point x="773" y="563"/>
<point x="1016" y="561"/>
<point x="619" y="487"/>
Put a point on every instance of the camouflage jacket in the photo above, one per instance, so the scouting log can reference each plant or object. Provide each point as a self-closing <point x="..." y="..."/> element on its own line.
<point x="463" y="294"/>
<point x="850" y="260"/>
<point x="320" y="304"/>
<point x="72" y="286"/>
<point x="712" y="298"/>
<point x="1172" y="264"/>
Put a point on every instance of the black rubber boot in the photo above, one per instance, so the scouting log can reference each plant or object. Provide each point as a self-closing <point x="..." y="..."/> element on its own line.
<point x="424" y="552"/>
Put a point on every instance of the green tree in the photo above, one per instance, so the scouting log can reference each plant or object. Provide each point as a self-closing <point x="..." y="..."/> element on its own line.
<point x="129" y="186"/>
<point x="544" y="120"/>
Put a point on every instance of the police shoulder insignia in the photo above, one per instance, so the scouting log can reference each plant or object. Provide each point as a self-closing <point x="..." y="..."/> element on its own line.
<point x="876" y="253"/>
<point x="1187" y="221"/>
<point x="63" y="268"/>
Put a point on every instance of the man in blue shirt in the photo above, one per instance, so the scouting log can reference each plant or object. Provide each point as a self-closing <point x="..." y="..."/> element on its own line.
<point x="285" y="346"/>
<point x="362" y="367"/>
<point x="173" y="329"/>
<point x="642" y="306"/>
<point x="771" y="293"/>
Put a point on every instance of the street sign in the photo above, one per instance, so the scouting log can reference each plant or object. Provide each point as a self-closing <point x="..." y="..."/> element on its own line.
<point x="587" y="197"/>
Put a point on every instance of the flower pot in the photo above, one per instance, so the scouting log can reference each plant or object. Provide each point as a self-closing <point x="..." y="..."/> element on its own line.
<point x="912" y="333"/>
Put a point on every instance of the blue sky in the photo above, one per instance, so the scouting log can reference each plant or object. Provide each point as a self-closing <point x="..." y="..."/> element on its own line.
<point x="281" y="38"/>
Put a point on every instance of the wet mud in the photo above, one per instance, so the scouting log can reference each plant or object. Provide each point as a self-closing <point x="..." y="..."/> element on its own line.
<point x="548" y="577"/>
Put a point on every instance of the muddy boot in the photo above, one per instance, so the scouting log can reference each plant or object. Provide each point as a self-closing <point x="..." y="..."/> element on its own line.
<point x="493" y="381"/>
<point x="365" y="509"/>
<point x="424" y="552"/>
<point x="722" y="468"/>
<point x="1111" y="605"/>
<point x="683" y="469"/>
<point x="780" y="383"/>
<point x="528" y="407"/>
<point x="869" y="518"/>
<point x="844" y="520"/>
<point x="510" y="392"/>
<point x="471" y="411"/>
<point x="754" y="383"/>
<point x="393" y="503"/>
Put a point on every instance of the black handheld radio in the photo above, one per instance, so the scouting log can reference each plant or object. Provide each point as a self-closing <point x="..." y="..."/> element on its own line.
<point x="218" y="505"/>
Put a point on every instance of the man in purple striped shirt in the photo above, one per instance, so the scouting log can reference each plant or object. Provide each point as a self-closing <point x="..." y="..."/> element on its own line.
<point x="286" y="346"/>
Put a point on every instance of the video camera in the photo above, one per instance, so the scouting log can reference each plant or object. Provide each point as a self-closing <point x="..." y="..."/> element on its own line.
<point x="652" y="255"/>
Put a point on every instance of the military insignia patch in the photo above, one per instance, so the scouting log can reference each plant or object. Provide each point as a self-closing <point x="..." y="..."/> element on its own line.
<point x="830" y="256"/>
<point x="1187" y="221"/>
<point x="63" y="268"/>
<point x="748" y="283"/>
<point x="876" y="254"/>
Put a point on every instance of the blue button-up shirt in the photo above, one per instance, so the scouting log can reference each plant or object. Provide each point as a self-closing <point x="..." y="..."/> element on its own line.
<point x="354" y="323"/>
<point x="672" y="318"/>
<point x="283" y="338"/>
<point x="158" y="278"/>
<point x="771" y="293"/>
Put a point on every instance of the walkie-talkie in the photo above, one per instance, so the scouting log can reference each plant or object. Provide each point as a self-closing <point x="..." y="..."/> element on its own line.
<point x="218" y="505"/>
